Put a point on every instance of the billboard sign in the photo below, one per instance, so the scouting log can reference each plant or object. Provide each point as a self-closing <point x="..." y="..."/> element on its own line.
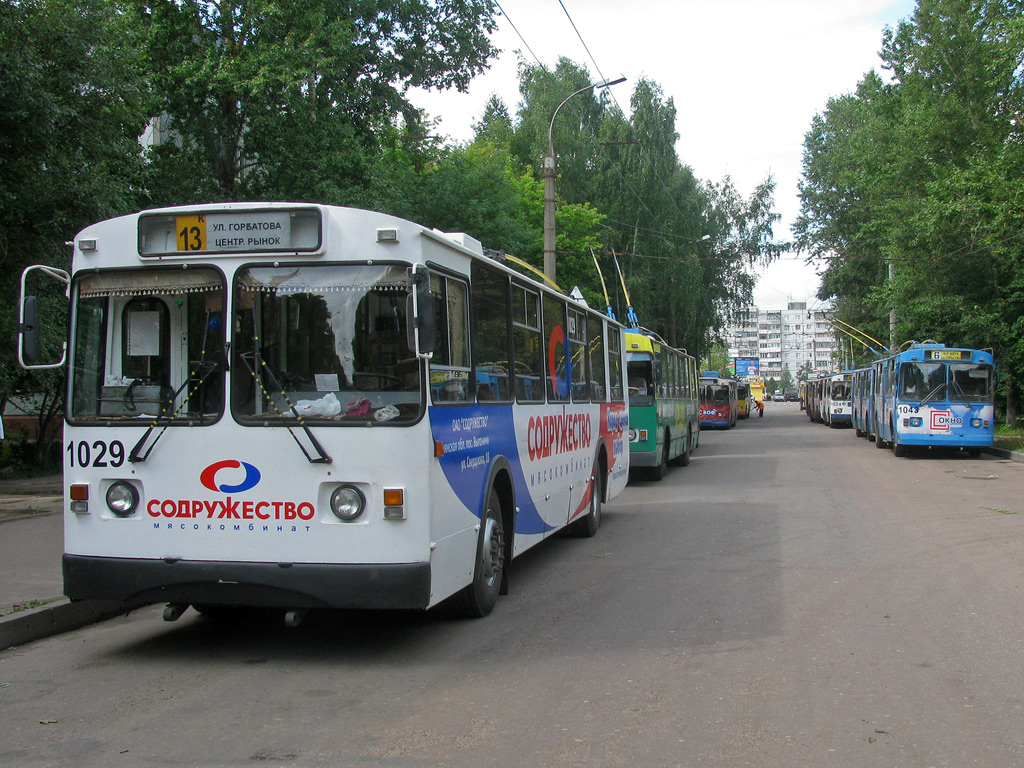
<point x="747" y="367"/>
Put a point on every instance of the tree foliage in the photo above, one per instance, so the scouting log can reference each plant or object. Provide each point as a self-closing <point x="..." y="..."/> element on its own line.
<point x="239" y="80"/>
<point x="116" y="105"/>
<point x="73" y="90"/>
<point x="920" y="174"/>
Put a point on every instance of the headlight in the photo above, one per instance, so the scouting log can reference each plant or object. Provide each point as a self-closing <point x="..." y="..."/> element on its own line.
<point x="122" y="499"/>
<point x="347" y="502"/>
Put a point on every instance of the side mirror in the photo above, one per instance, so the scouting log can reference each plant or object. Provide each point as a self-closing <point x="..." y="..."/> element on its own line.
<point x="421" y="311"/>
<point x="28" y="331"/>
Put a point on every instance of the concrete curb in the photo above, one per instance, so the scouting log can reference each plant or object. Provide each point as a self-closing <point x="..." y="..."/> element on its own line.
<point x="1004" y="454"/>
<point x="54" y="618"/>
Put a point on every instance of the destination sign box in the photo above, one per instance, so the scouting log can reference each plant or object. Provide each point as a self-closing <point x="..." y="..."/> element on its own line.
<point x="229" y="232"/>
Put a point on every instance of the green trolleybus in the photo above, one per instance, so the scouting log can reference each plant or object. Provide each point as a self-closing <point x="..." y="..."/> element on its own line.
<point x="664" y="413"/>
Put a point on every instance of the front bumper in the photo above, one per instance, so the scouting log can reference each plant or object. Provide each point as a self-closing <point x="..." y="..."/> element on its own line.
<point x="284" y="585"/>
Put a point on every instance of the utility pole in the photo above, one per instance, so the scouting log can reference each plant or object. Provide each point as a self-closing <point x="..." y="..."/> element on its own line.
<point x="549" y="181"/>
<point x="892" y="312"/>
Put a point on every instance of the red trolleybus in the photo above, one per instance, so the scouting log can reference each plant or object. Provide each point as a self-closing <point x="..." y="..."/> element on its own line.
<point x="718" y="407"/>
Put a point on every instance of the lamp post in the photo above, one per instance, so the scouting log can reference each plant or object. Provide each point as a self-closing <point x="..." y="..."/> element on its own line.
<point x="549" y="181"/>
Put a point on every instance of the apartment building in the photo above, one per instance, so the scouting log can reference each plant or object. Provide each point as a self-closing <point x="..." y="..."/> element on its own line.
<point x="781" y="338"/>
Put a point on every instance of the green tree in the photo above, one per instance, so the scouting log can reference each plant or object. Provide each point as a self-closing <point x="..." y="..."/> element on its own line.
<point x="239" y="80"/>
<point x="910" y="187"/>
<point x="73" y="91"/>
<point x="787" y="377"/>
<point x="574" y="133"/>
<point x="482" y="190"/>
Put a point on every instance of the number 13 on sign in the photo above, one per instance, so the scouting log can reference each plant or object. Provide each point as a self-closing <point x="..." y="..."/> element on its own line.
<point x="191" y="233"/>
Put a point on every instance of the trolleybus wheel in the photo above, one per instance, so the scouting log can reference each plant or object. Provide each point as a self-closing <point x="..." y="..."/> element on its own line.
<point x="479" y="596"/>
<point x="898" y="449"/>
<point x="587" y="526"/>
<point x="659" y="472"/>
<point x="879" y="442"/>
<point x="684" y="460"/>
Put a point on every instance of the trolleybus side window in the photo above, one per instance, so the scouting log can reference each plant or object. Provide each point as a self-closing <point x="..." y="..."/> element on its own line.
<point x="324" y="343"/>
<point x="526" y="345"/>
<point x="148" y="345"/>
<point x="595" y="332"/>
<point x="449" y="365"/>
<point x="615" y="364"/>
<point x="557" y="381"/>
<point x="490" y="341"/>
<point x="578" y="355"/>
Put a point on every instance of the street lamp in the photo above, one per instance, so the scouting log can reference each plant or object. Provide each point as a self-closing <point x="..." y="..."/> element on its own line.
<point x="549" y="181"/>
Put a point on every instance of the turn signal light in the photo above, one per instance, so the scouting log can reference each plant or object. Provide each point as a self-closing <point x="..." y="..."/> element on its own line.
<point x="394" y="504"/>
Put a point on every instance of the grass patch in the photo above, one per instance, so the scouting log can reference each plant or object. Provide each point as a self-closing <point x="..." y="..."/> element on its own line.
<point x="1009" y="438"/>
<point x="28" y="605"/>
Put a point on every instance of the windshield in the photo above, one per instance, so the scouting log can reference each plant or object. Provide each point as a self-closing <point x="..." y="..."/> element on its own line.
<point x="640" y="379"/>
<point x="324" y="343"/>
<point x="971" y="382"/>
<point x="923" y="382"/>
<point x="148" y="344"/>
<point x="718" y="394"/>
<point x="840" y="390"/>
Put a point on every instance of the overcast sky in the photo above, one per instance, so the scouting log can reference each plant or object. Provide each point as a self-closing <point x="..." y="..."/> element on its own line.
<point x="746" y="77"/>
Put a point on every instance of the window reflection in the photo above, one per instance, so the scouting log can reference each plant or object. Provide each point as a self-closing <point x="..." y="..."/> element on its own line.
<point x="324" y="343"/>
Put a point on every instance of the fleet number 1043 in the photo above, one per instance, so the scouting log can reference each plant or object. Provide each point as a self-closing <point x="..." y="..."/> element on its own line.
<point x="95" y="454"/>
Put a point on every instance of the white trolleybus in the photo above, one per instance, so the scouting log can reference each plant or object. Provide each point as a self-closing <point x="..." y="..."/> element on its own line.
<point x="303" y="406"/>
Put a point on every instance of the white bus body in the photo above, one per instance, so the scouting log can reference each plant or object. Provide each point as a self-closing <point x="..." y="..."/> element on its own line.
<point x="244" y="378"/>
<point x="837" y="403"/>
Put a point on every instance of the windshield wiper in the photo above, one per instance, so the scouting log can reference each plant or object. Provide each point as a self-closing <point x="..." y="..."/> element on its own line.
<point x="257" y="363"/>
<point x="135" y="455"/>
<point x="934" y="392"/>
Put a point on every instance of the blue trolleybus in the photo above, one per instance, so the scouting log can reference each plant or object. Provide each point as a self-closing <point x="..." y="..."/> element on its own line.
<point x="932" y="395"/>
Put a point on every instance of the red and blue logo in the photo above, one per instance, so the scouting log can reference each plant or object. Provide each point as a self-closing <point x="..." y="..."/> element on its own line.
<point x="209" y="476"/>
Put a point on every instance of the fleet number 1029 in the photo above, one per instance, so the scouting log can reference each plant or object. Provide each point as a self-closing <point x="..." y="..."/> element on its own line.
<point x="95" y="454"/>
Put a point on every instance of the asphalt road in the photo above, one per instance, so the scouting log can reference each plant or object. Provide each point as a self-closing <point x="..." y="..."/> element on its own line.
<point x="794" y="597"/>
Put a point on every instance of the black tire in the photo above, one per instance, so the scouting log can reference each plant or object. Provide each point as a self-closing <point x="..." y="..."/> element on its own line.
<point x="898" y="449"/>
<point x="586" y="527"/>
<point x="683" y="458"/>
<point x="477" y="599"/>
<point x="659" y="472"/>
<point x="879" y="442"/>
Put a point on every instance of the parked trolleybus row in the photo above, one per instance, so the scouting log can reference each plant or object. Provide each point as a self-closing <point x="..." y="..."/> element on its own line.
<point x="303" y="406"/>
<point x="926" y="395"/>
